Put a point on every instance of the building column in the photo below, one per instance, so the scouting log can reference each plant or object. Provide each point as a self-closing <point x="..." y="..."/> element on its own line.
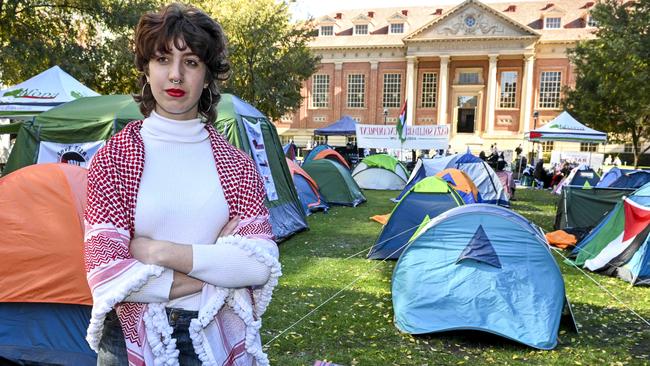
<point x="491" y="94"/>
<point x="371" y="93"/>
<point x="527" y="93"/>
<point x="338" y="87"/>
<point x="411" y="82"/>
<point x="442" y="93"/>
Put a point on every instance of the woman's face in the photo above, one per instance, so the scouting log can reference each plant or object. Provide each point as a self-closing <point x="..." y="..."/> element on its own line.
<point x="177" y="80"/>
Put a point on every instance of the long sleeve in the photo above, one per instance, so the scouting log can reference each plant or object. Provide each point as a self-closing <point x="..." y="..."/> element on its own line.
<point x="155" y="290"/>
<point x="225" y="265"/>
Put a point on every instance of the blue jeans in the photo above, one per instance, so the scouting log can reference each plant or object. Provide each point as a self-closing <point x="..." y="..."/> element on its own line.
<point x="112" y="347"/>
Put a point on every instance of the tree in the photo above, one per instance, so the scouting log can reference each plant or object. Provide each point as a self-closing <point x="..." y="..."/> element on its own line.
<point x="90" y="39"/>
<point x="268" y="54"/>
<point x="612" y="91"/>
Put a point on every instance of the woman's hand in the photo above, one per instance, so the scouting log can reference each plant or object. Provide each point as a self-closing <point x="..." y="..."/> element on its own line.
<point x="147" y="251"/>
<point x="230" y="227"/>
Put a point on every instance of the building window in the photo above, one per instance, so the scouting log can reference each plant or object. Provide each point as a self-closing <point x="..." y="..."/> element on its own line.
<point x="508" y="98"/>
<point x="320" y="87"/>
<point x="588" y="146"/>
<point x="549" y="89"/>
<point x="356" y="91"/>
<point x="468" y="78"/>
<point x="552" y="23"/>
<point x="429" y="90"/>
<point x="320" y="140"/>
<point x="361" y="29"/>
<point x="327" y="30"/>
<point x="628" y="148"/>
<point x="591" y="22"/>
<point x="547" y="146"/>
<point x="397" y="28"/>
<point x="392" y="90"/>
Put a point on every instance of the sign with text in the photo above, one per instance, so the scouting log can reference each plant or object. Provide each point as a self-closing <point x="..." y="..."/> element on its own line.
<point x="433" y="137"/>
<point x="594" y="160"/>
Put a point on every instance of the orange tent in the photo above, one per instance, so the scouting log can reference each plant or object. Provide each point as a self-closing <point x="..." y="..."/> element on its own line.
<point x="462" y="183"/>
<point x="307" y="188"/>
<point x="42" y="235"/>
<point x="332" y="155"/>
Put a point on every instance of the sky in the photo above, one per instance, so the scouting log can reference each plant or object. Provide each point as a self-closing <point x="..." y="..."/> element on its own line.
<point x="303" y="9"/>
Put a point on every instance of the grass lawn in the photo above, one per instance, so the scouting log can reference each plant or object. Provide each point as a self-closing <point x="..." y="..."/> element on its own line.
<point x="356" y="327"/>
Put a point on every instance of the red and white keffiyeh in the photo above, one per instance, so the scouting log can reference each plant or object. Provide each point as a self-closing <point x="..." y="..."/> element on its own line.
<point x="226" y="331"/>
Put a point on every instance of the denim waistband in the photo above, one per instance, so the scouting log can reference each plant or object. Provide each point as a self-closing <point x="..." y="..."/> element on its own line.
<point x="180" y="317"/>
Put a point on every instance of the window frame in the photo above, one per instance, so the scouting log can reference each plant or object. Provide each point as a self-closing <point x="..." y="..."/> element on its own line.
<point x="320" y="31"/>
<point x="390" y="28"/>
<point x="515" y="92"/>
<point x="356" y="29"/>
<point x="542" y="92"/>
<point x="547" y="23"/>
<point x="547" y="146"/>
<point x="314" y="92"/>
<point x="434" y="90"/>
<point x="588" y="147"/>
<point x="349" y="91"/>
<point x="384" y="93"/>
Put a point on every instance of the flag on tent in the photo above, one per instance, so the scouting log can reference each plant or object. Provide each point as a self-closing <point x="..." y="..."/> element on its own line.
<point x="401" y="123"/>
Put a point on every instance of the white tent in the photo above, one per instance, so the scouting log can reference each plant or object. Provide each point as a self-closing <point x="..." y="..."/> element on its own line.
<point x="565" y="128"/>
<point x="46" y="90"/>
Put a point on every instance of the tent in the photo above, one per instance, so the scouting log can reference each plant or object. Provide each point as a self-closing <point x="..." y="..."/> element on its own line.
<point x="332" y="155"/>
<point x="620" y="244"/>
<point x="317" y="149"/>
<point x="290" y="151"/>
<point x="380" y="171"/>
<point x="334" y="182"/>
<point x="427" y="199"/>
<point x="634" y="179"/>
<point x="581" y="176"/>
<point x="45" y="301"/>
<point x="462" y="183"/>
<point x="612" y="175"/>
<point x="307" y="189"/>
<point x="483" y="176"/>
<point x="71" y="132"/>
<point x="40" y="93"/>
<point x="566" y="128"/>
<point x="346" y="126"/>
<point x="249" y="130"/>
<point x="480" y="267"/>
<point x="585" y="208"/>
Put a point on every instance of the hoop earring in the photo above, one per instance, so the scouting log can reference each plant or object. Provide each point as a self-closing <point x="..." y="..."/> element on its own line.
<point x="209" y="93"/>
<point x="142" y="91"/>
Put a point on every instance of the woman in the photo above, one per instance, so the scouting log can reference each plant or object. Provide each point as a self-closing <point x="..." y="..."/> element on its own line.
<point x="161" y="193"/>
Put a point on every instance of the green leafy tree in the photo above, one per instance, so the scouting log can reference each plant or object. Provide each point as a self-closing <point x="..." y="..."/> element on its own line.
<point x="268" y="53"/>
<point x="612" y="91"/>
<point x="90" y="39"/>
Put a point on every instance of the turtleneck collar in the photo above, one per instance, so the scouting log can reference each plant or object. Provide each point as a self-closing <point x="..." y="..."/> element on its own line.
<point x="160" y="128"/>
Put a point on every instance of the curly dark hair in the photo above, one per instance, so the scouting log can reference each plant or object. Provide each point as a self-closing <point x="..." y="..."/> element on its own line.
<point x="185" y="26"/>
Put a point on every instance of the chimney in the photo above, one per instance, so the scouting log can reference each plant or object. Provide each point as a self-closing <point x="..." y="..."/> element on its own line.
<point x="588" y="5"/>
<point x="338" y="16"/>
<point x="438" y="12"/>
<point x="511" y="8"/>
<point x="405" y="12"/>
<point x="371" y="14"/>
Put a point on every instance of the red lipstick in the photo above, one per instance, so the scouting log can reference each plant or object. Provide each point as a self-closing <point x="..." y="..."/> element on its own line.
<point x="176" y="93"/>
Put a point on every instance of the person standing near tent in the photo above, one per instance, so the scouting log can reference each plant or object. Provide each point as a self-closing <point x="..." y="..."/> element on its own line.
<point x="175" y="220"/>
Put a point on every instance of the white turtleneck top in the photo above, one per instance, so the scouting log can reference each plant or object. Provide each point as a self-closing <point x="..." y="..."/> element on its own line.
<point x="181" y="200"/>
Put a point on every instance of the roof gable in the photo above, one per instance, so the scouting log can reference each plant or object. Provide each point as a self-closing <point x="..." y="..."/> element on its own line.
<point x="471" y="19"/>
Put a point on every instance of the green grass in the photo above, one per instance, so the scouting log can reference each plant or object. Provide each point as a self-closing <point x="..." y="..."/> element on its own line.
<point x="356" y="327"/>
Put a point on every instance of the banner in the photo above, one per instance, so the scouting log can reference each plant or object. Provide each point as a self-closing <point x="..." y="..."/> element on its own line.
<point x="433" y="137"/>
<point x="258" y="150"/>
<point x="79" y="154"/>
<point x="594" y="160"/>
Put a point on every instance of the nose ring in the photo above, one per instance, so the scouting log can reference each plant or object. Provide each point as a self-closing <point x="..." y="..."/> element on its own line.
<point x="174" y="81"/>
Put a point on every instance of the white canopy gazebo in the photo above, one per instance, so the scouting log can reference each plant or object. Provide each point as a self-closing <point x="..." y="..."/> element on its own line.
<point x="565" y="128"/>
<point x="40" y="93"/>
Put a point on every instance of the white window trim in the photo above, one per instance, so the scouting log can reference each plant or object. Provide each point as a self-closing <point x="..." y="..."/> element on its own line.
<point x="327" y="92"/>
<point x="539" y="91"/>
<point x="320" y="31"/>
<point x="517" y="89"/>
<point x="546" y="23"/>
<point x="361" y="34"/>
<point x="390" y="28"/>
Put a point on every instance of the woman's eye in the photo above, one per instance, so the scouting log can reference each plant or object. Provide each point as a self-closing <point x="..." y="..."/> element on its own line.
<point x="191" y="62"/>
<point x="162" y="59"/>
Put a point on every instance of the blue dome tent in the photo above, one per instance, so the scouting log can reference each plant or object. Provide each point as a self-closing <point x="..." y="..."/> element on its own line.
<point x="480" y="267"/>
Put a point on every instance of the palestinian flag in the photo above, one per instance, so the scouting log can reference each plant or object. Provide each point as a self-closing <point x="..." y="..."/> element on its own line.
<point x="620" y="250"/>
<point x="401" y="123"/>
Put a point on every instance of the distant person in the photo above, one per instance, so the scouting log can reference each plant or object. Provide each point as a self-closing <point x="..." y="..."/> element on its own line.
<point x="482" y="156"/>
<point x="518" y="150"/>
<point x="608" y="160"/>
<point x="617" y="161"/>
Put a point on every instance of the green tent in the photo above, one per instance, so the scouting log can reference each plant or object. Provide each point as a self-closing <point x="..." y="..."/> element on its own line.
<point x="335" y="182"/>
<point x="80" y="126"/>
<point x="580" y="207"/>
<point x="380" y="171"/>
<point x="249" y="130"/>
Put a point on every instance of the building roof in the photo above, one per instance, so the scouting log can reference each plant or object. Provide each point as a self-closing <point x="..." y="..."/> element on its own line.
<point x="523" y="15"/>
